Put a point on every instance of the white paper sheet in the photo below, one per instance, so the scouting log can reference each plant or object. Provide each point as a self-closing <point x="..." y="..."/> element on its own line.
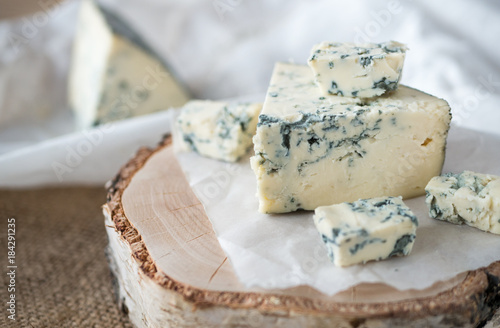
<point x="285" y="250"/>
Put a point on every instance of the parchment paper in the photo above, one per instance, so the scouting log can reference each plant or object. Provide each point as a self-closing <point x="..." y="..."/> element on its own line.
<point x="280" y="251"/>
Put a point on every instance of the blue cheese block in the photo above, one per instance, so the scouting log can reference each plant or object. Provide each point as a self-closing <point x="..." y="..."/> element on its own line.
<point x="114" y="74"/>
<point x="466" y="198"/>
<point x="357" y="70"/>
<point x="367" y="229"/>
<point x="218" y="130"/>
<point x="313" y="150"/>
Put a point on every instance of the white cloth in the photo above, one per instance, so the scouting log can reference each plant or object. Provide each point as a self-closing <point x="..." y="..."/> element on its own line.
<point x="223" y="48"/>
<point x="227" y="48"/>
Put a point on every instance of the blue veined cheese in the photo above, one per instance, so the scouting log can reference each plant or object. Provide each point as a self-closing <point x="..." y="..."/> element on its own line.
<point x="313" y="150"/>
<point x="367" y="229"/>
<point x="467" y="197"/>
<point x="114" y="74"/>
<point x="216" y="129"/>
<point x="357" y="70"/>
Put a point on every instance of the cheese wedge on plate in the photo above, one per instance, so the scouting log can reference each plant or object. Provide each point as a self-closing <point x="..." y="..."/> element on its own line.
<point x="217" y="129"/>
<point x="466" y="198"/>
<point x="366" y="230"/>
<point x="313" y="150"/>
<point x="114" y="74"/>
<point x="357" y="70"/>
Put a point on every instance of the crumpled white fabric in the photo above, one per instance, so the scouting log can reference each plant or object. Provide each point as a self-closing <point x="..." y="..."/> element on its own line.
<point x="223" y="48"/>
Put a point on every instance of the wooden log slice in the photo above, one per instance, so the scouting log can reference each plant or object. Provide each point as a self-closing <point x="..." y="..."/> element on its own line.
<point x="170" y="271"/>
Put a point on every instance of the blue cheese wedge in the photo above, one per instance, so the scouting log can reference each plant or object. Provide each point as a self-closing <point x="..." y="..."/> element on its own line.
<point x="357" y="70"/>
<point x="218" y="130"/>
<point x="114" y="74"/>
<point x="367" y="229"/>
<point x="313" y="150"/>
<point x="466" y="198"/>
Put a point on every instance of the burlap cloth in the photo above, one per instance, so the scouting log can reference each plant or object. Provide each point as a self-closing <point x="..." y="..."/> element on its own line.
<point x="62" y="278"/>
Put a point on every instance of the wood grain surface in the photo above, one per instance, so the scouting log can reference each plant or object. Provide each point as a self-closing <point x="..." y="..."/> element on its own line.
<point x="173" y="224"/>
<point x="151" y="202"/>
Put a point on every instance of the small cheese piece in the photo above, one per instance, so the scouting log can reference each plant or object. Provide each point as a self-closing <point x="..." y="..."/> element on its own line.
<point x="218" y="130"/>
<point x="114" y="74"/>
<point x="367" y="229"/>
<point x="313" y="150"/>
<point x="357" y="70"/>
<point x="468" y="197"/>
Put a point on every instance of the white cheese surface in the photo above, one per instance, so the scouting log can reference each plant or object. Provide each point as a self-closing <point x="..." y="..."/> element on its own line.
<point x="466" y="198"/>
<point x="367" y="229"/>
<point x="357" y="70"/>
<point x="216" y="129"/>
<point x="113" y="78"/>
<point x="313" y="150"/>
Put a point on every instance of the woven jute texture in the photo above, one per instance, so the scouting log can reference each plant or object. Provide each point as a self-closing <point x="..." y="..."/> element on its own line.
<point x="62" y="277"/>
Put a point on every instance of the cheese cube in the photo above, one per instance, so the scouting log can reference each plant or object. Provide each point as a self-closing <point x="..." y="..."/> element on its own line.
<point x="357" y="70"/>
<point x="114" y="74"/>
<point x="467" y="197"/>
<point x="313" y="150"/>
<point x="367" y="229"/>
<point x="216" y="129"/>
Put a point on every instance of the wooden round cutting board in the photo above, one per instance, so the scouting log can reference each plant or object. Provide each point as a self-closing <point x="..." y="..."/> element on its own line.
<point x="169" y="269"/>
